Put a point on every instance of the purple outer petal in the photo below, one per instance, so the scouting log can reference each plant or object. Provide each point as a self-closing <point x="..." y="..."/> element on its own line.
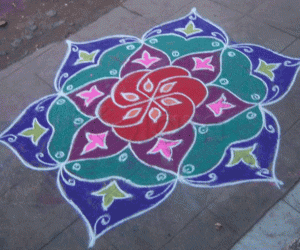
<point x="38" y="158"/>
<point x="209" y="29"/>
<point x="78" y="194"/>
<point x="285" y="74"/>
<point x="266" y="153"/>
<point x="68" y="68"/>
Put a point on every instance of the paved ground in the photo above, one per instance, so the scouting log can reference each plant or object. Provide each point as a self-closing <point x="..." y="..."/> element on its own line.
<point x="32" y="25"/>
<point x="33" y="215"/>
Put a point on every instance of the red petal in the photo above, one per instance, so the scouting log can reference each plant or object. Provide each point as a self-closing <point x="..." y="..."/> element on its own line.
<point x="128" y="85"/>
<point x="191" y="87"/>
<point x="131" y="97"/>
<point x="166" y="88"/>
<point x="154" y="114"/>
<point x="147" y="129"/>
<point x="169" y="101"/>
<point x="159" y="75"/>
<point x="114" y="115"/>
<point x="179" y="114"/>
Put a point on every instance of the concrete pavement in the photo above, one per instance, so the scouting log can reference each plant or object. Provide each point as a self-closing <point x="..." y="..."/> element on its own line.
<point x="33" y="215"/>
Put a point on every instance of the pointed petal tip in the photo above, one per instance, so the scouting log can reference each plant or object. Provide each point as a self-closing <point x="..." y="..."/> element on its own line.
<point x="279" y="183"/>
<point x="70" y="43"/>
<point x="194" y="10"/>
<point x="92" y="242"/>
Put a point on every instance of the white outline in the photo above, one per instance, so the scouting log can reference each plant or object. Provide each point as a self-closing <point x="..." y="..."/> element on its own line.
<point x="161" y="90"/>
<point x="274" y="179"/>
<point x="176" y="102"/>
<point x="239" y="141"/>
<point x="190" y="15"/>
<point x="148" y="82"/>
<point x="127" y="115"/>
<point x="14" y="138"/>
<point x="151" y="112"/>
<point x="124" y="95"/>
<point x="91" y="231"/>
<point x="70" y="44"/>
<point x="286" y="63"/>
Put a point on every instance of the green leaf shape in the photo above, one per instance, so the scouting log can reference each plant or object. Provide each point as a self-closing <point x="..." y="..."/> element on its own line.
<point x="111" y="193"/>
<point x="267" y="69"/>
<point x="123" y="164"/>
<point x="235" y="76"/>
<point x="189" y="29"/>
<point x="86" y="57"/>
<point x="210" y="147"/>
<point x="176" y="46"/>
<point x="244" y="155"/>
<point x="66" y="120"/>
<point x="111" y="60"/>
<point x="36" y="132"/>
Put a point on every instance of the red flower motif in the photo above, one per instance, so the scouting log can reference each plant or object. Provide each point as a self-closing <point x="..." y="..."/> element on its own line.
<point x="147" y="103"/>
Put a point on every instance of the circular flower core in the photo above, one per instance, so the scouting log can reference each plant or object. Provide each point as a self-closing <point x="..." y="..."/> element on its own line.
<point x="147" y="103"/>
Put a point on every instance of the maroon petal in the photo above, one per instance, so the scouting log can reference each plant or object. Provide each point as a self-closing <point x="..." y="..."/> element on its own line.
<point x="203" y="66"/>
<point x="88" y="97"/>
<point x="219" y="106"/>
<point x="145" y="58"/>
<point x="95" y="140"/>
<point x="173" y="148"/>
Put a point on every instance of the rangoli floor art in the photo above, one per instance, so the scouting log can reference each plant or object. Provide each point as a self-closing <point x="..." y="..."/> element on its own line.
<point x="133" y="117"/>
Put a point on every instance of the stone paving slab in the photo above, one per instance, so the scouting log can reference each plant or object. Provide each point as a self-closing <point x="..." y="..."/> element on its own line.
<point x="202" y="233"/>
<point x="119" y="21"/>
<point x="31" y="214"/>
<point x="243" y="6"/>
<point x="156" y="227"/>
<point x="22" y="88"/>
<point x="249" y="30"/>
<point x="214" y="12"/>
<point x="242" y="206"/>
<point x="76" y="237"/>
<point x="156" y="10"/>
<point x="293" y="197"/>
<point x="276" y="230"/>
<point x="287" y="110"/>
<point x="283" y="15"/>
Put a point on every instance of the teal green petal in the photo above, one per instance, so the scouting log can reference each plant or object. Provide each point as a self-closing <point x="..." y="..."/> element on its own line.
<point x="124" y="165"/>
<point x="211" y="141"/>
<point x="109" y="66"/>
<point x="176" y="46"/>
<point x="66" y="120"/>
<point x="236" y="77"/>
